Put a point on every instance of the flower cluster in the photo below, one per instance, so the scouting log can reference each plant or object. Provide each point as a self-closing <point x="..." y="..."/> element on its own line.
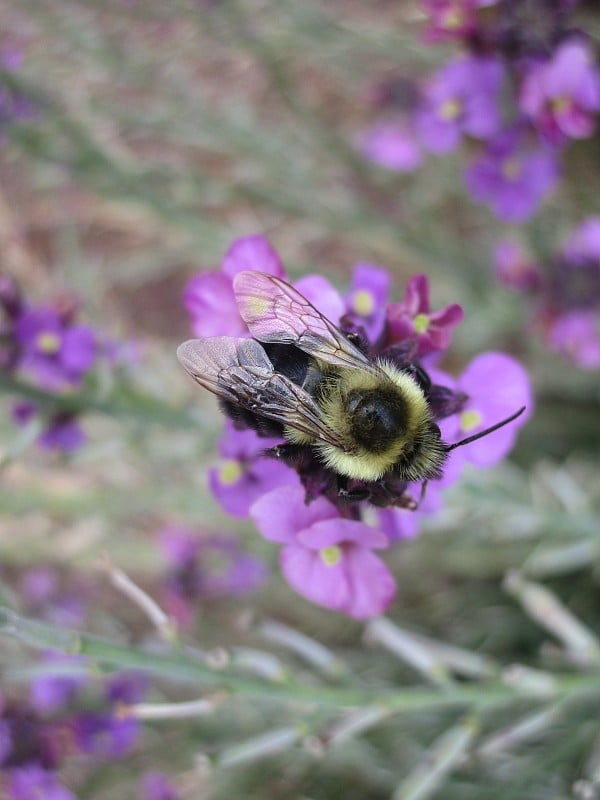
<point x="70" y="710"/>
<point x="327" y="548"/>
<point x="564" y="292"/>
<point x="524" y="87"/>
<point x="204" y="567"/>
<point x="44" y="345"/>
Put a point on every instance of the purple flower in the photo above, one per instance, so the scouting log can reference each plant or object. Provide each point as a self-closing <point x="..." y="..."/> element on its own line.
<point x="203" y="567"/>
<point x="392" y="145"/>
<point x="449" y="19"/>
<point x="496" y="386"/>
<point x="325" y="558"/>
<point x="62" y="432"/>
<point x="462" y="98"/>
<point x="584" y="243"/>
<point x="513" y="175"/>
<point x="452" y="19"/>
<point x="25" y="738"/>
<point x="576" y="335"/>
<point x="562" y="95"/>
<point x="366" y="301"/>
<point x="53" y="352"/>
<point x="60" y="685"/>
<point x="209" y="298"/>
<point x="32" y="782"/>
<point x="157" y="786"/>
<point x="322" y="295"/>
<point x="514" y="268"/>
<point x="245" y="473"/>
<point x="413" y="319"/>
<point x="106" y="735"/>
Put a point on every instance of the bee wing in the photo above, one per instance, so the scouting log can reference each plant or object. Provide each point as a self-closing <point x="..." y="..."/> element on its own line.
<point x="240" y="371"/>
<point x="275" y="312"/>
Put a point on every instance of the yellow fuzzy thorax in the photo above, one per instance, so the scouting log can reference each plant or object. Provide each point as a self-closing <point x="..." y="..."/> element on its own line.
<point x="355" y="461"/>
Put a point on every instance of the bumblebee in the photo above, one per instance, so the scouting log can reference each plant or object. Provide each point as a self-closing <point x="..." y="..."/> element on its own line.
<point x="367" y="421"/>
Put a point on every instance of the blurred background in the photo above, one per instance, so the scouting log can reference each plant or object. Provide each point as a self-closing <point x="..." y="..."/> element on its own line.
<point x="138" y="139"/>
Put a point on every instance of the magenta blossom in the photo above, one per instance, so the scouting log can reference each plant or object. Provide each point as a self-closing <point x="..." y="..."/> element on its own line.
<point x="367" y="299"/>
<point x="157" y="786"/>
<point x="562" y="95"/>
<point x="210" y="301"/>
<point x="576" y="335"/>
<point x="413" y="319"/>
<point x="496" y="386"/>
<point x="450" y="20"/>
<point x="514" y="267"/>
<point x="244" y="473"/>
<point x="513" y="175"/>
<point x="325" y="558"/>
<point x="392" y="145"/>
<point x="209" y="298"/>
<point x="584" y="243"/>
<point x="462" y="98"/>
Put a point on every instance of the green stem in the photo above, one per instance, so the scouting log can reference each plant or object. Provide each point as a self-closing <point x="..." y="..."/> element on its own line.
<point x="179" y="667"/>
<point x="132" y="404"/>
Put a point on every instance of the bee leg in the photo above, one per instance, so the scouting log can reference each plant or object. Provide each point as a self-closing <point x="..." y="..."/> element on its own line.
<point x="288" y="453"/>
<point x="351" y="495"/>
<point x="420" y="376"/>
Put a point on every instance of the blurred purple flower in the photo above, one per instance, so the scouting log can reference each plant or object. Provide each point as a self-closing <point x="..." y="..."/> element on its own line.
<point x="562" y="95"/>
<point x="450" y="20"/>
<point x="209" y="298"/>
<point x="67" y="675"/>
<point x="25" y="738"/>
<point x="576" y="334"/>
<point x="367" y="299"/>
<point x="463" y="97"/>
<point x="62" y="432"/>
<point x="514" y="268"/>
<point x="513" y="175"/>
<point x="326" y="558"/>
<point x="584" y="243"/>
<point x="413" y="319"/>
<point x="32" y="782"/>
<point x="105" y="735"/>
<point x="245" y="473"/>
<point x="56" y="354"/>
<point x="126" y="687"/>
<point x="496" y="386"/>
<point x="391" y="144"/>
<point x="157" y="786"/>
<point x="204" y="567"/>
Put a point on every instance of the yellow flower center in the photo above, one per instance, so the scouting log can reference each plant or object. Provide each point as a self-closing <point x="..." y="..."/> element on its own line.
<point x="452" y="19"/>
<point x="421" y="323"/>
<point x="230" y="472"/>
<point x="469" y="420"/>
<point x="48" y="343"/>
<point x="561" y="104"/>
<point x="511" y="169"/>
<point x="363" y="303"/>
<point x="330" y="556"/>
<point x="449" y="110"/>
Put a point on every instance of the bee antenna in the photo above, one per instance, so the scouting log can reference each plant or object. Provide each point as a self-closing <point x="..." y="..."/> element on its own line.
<point x="481" y="434"/>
